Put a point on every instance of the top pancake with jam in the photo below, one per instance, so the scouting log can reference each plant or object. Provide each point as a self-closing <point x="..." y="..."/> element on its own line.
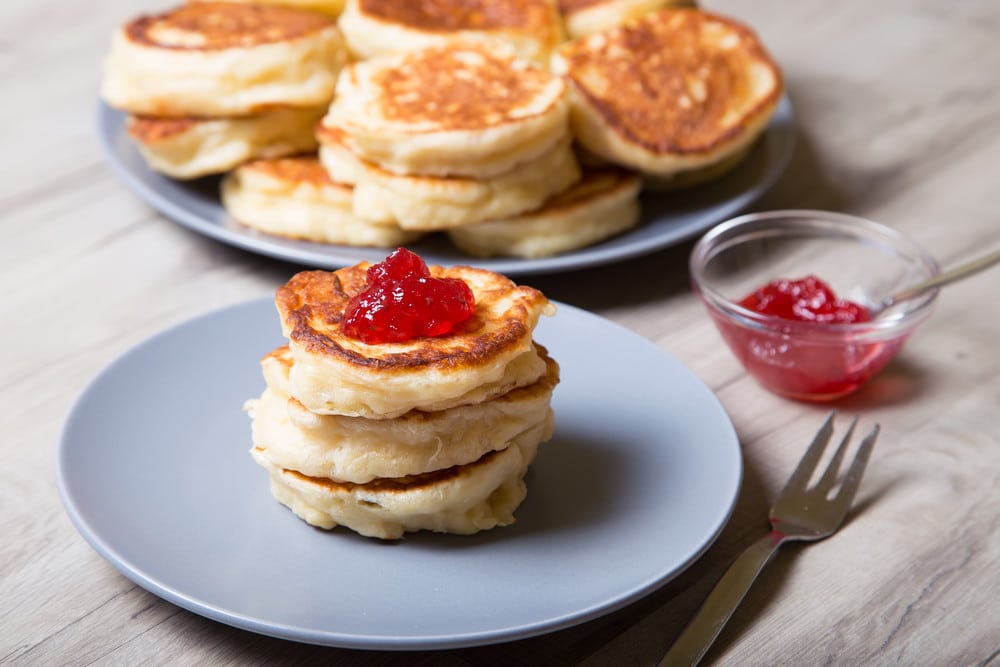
<point x="486" y="356"/>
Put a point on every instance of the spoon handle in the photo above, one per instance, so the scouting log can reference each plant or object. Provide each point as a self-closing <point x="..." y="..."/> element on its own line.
<point x="959" y="272"/>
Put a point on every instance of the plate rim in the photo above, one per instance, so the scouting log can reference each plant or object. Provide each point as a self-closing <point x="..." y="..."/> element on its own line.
<point x="779" y="134"/>
<point x="331" y="638"/>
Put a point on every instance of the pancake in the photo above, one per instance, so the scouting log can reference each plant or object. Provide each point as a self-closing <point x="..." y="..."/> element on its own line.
<point x="489" y="355"/>
<point x="438" y="202"/>
<point x="462" y="499"/>
<point x="355" y="449"/>
<point x="331" y="8"/>
<point x="602" y="204"/>
<point x="457" y="110"/>
<point x="532" y="28"/>
<point x="223" y="59"/>
<point x="293" y="197"/>
<point x="672" y="92"/>
<point x="585" y="17"/>
<point x="192" y="147"/>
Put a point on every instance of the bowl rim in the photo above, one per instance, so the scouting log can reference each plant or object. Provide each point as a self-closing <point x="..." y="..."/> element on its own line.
<point x="903" y="317"/>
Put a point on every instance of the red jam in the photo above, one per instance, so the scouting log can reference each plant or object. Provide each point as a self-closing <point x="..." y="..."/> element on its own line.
<point x="807" y="300"/>
<point x="798" y="360"/>
<point x="403" y="302"/>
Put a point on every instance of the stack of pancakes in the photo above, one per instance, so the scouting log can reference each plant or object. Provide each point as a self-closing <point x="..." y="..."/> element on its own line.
<point x="473" y="120"/>
<point x="211" y="85"/>
<point x="428" y="434"/>
<point x="459" y="138"/>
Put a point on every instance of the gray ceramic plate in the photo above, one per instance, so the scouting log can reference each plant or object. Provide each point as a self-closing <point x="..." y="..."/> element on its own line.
<point x="668" y="218"/>
<point x="638" y="480"/>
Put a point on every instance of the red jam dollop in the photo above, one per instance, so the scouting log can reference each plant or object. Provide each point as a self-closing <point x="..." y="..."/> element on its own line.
<point x="403" y="302"/>
<point x="808" y="299"/>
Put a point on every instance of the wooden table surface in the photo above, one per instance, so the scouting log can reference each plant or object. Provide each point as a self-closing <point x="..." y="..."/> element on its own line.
<point x="897" y="109"/>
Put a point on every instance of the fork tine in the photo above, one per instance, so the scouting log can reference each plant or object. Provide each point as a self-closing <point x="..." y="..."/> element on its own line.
<point x="852" y="480"/>
<point x="830" y="475"/>
<point x="800" y="477"/>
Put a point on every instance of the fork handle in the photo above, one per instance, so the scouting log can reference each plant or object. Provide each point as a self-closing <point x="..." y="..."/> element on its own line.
<point x="721" y="603"/>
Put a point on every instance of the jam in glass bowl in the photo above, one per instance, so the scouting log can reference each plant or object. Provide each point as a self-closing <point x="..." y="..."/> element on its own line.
<point x="794" y="294"/>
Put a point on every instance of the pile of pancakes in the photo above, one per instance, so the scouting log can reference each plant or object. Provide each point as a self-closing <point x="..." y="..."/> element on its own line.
<point x="520" y="128"/>
<point x="427" y="434"/>
<point x="210" y="86"/>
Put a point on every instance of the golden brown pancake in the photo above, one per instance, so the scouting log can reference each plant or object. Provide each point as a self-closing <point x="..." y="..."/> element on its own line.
<point x="223" y="59"/>
<point x="673" y="91"/>
<point x="294" y="197"/>
<point x="489" y="355"/>
<point x="603" y="203"/>
<point x="190" y="147"/>
<point x="375" y="27"/>
<point x="462" y="499"/>
<point x="456" y="110"/>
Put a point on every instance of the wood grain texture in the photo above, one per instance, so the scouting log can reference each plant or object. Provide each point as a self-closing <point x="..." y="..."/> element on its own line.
<point x="898" y="119"/>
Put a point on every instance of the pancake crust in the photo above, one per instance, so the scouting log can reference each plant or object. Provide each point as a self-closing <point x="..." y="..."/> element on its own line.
<point x="489" y="355"/>
<point x="294" y="197"/>
<point x="426" y="93"/>
<point x="355" y="449"/>
<point x="331" y="8"/>
<point x="376" y="27"/>
<point x="585" y="17"/>
<point x="456" y="110"/>
<point x="673" y="91"/>
<point x="223" y="59"/>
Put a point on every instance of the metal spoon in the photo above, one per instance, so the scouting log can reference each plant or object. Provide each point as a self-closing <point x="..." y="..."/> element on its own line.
<point x="961" y="271"/>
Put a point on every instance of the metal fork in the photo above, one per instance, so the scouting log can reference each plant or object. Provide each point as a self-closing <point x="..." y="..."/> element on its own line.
<point x="801" y="512"/>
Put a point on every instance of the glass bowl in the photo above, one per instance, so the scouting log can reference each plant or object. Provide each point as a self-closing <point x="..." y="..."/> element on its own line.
<point x="862" y="261"/>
